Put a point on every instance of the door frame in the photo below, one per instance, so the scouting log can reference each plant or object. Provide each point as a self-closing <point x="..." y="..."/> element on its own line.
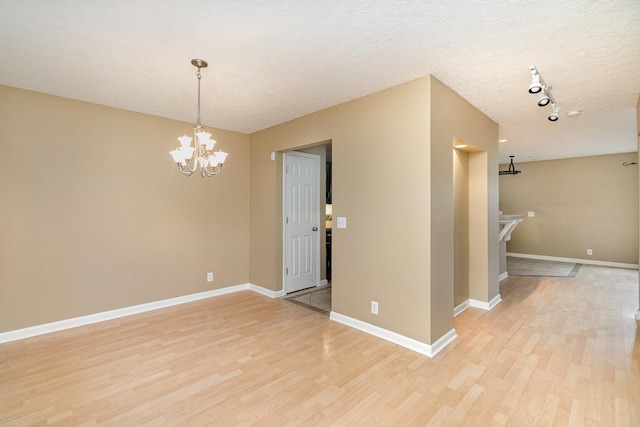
<point x="284" y="215"/>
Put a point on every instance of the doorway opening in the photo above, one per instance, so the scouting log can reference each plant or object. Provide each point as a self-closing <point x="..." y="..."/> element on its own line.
<point x="315" y="294"/>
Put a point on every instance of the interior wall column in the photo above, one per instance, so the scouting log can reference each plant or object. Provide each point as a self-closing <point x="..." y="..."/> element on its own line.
<point x="481" y="288"/>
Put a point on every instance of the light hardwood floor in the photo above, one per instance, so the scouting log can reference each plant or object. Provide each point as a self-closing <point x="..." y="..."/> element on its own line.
<point x="556" y="351"/>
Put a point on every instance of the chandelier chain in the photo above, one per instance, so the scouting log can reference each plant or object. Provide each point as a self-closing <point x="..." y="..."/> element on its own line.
<point x="198" y="117"/>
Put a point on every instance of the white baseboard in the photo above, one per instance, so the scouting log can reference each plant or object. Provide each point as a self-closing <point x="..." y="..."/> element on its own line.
<point x="62" y="325"/>
<point x="266" y="292"/>
<point x="503" y="276"/>
<point x="401" y="340"/>
<point x="486" y="305"/>
<point x="426" y="349"/>
<point x="461" y="307"/>
<point x="575" y="260"/>
<point x="442" y="342"/>
<point x="638" y="315"/>
<point x="457" y="310"/>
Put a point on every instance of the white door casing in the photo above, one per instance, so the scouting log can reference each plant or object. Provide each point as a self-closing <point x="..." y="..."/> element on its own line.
<point x="301" y="221"/>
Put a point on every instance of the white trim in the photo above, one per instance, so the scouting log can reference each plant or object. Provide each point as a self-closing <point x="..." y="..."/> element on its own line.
<point x="266" y="292"/>
<point x="638" y="315"/>
<point x="461" y="307"/>
<point x="486" y="305"/>
<point x="457" y="310"/>
<point x="401" y="340"/>
<point x="442" y="342"/>
<point x="324" y="282"/>
<point x="503" y="276"/>
<point x="62" y="325"/>
<point x="575" y="260"/>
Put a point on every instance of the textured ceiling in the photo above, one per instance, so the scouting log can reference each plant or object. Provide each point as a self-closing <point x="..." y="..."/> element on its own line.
<point x="270" y="62"/>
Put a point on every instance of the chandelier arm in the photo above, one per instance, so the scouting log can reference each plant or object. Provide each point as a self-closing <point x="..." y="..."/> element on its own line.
<point x="184" y="171"/>
<point x="191" y="164"/>
<point x="212" y="171"/>
<point x="207" y="172"/>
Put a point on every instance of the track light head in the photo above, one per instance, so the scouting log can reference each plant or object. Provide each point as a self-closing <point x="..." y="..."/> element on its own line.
<point x="554" y="114"/>
<point x="543" y="99"/>
<point x="536" y="84"/>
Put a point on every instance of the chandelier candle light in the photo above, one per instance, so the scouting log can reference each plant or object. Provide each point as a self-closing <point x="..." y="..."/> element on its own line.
<point x="209" y="161"/>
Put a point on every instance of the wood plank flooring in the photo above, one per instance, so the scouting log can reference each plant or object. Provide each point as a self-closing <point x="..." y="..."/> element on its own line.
<point x="555" y="352"/>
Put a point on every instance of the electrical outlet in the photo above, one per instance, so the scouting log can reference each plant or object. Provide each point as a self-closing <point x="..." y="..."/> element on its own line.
<point x="374" y="307"/>
<point x="589" y="252"/>
<point x="210" y="276"/>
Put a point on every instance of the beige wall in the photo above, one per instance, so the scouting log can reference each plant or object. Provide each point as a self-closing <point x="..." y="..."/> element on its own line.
<point x="95" y="215"/>
<point x="122" y="227"/>
<point x="379" y="147"/>
<point x="453" y="118"/>
<point x="391" y="182"/>
<point x="579" y="204"/>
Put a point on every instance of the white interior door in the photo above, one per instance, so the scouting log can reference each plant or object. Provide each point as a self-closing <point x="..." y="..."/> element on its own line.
<point x="301" y="221"/>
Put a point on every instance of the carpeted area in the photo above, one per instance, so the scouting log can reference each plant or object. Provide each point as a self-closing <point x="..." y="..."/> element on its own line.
<point x="541" y="268"/>
<point x="318" y="299"/>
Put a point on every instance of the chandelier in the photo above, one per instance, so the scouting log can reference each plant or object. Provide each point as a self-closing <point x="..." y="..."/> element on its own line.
<point x="209" y="161"/>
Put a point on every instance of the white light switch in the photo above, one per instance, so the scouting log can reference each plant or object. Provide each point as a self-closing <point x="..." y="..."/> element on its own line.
<point x="531" y="214"/>
<point x="342" y="222"/>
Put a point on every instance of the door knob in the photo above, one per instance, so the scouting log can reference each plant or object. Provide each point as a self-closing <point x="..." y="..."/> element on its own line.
<point x="314" y="229"/>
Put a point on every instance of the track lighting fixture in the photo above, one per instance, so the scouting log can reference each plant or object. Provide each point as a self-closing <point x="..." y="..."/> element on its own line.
<point x="544" y="98"/>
